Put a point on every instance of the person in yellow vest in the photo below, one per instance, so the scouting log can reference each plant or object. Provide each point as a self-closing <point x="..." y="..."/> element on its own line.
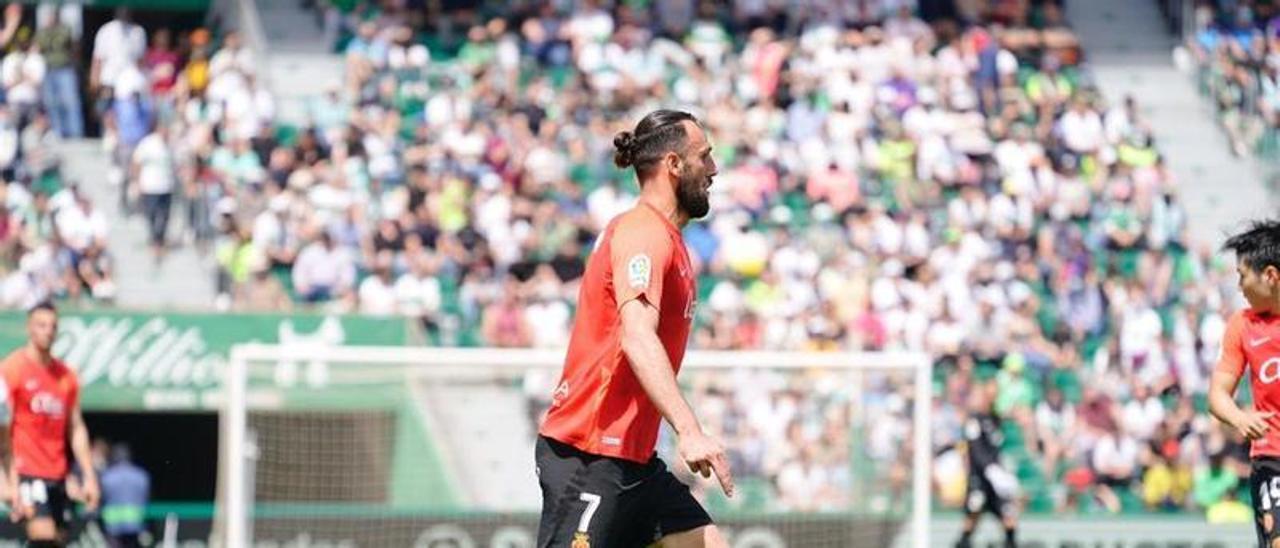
<point x="1229" y="510"/>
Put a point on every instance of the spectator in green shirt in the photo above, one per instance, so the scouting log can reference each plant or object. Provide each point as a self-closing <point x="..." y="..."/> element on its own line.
<point x="1014" y="390"/>
<point x="1210" y="485"/>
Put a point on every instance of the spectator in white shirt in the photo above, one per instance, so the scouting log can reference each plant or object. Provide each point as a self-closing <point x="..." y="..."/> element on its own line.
<point x="119" y="45"/>
<point x="1115" y="459"/>
<point x="1081" y="128"/>
<point x="22" y="72"/>
<point x="1143" y="414"/>
<point x="80" y="224"/>
<point x="153" y="177"/>
<point x="232" y="55"/>
<point x="323" y="271"/>
<point x="376" y="294"/>
<point x="418" y="292"/>
<point x="1056" y="426"/>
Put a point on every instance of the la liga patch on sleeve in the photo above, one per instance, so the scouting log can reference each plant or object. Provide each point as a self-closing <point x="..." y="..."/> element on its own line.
<point x="638" y="271"/>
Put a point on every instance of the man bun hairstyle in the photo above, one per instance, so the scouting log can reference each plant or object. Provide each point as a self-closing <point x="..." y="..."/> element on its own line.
<point x="623" y="143"/>
<point x="658" y="133"/>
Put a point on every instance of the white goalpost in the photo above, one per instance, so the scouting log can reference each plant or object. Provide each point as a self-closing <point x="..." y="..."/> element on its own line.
<point x="414" y="446"/>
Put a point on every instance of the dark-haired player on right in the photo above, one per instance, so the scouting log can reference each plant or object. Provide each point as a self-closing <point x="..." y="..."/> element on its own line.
<point x="1252" y="341"/>
<point x="602" y="484"/>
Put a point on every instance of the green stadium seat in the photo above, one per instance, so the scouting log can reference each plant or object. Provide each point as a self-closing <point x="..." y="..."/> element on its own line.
<point x="1130" y="502"/>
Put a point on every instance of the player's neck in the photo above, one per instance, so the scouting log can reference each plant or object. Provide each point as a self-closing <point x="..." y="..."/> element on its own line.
<point x="661" y="199"/>
<point x="42" y="358"/>
<point x="1268" y="312"/>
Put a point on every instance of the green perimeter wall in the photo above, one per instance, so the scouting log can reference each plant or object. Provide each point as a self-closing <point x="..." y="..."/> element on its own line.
<point x="173" y="362"/>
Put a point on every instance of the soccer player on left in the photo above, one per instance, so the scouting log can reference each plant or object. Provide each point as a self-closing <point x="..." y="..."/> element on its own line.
<point x="41" y="395"/>
<point x="990" y="487"/>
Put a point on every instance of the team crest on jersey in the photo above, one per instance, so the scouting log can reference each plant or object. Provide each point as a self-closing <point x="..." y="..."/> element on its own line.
<point x="581" y="540"/>
<point x="639" y="271"/>
<point x="560" y="394"/>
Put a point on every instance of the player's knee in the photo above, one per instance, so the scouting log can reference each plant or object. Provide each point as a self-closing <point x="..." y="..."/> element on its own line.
<point x="713" y="539"/>
<point x="42" y="530"/>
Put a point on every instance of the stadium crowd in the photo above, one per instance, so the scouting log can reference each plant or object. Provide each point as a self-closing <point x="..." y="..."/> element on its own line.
<point x="52" y="237"/>
<point x="1235" y="55"/>
<point x="159" y="103"/>
<point x="941" y="179"/>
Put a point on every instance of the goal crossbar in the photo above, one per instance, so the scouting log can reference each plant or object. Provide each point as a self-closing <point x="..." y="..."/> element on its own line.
<point x="236" y="521"/>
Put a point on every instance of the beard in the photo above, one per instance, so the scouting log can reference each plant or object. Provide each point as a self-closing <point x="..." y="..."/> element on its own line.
<point x="692" y="195"/>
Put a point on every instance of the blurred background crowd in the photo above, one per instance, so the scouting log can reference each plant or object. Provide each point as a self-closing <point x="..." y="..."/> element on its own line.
<point x="914" y="175"/>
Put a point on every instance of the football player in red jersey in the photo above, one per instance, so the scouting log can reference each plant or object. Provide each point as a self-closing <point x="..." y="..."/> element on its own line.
<point x="1252" y="343"/>
<point x="42" y="396"/>
<point x="602" y="484"/>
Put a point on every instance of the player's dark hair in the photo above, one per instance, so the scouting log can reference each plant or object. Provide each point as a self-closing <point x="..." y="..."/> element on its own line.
<point x="1257" y="247"/>
<point x="658" y="133"/>
<point x="42" y="305"/>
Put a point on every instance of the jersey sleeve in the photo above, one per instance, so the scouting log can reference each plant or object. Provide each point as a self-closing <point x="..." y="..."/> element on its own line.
<point x="639" y="254"/>
<point x="1231" y="359"/>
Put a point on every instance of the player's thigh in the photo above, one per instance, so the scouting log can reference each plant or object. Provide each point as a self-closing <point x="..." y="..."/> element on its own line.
<point x="976" y="498"/>
<point x="48" y="501"/>
<point x="580" y="500"/>
<point x="1264" y="490"/>
<point x="707" y="536"/>
<point x="1267" y="525"/>
<point x="670" y="511"/>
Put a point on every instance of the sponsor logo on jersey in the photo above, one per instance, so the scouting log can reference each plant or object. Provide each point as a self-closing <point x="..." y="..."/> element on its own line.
<point x="44" y="403"/>
<point x="610" y="440"/>
<point x="639" y="271"/>
<point x="1269" y="371"/>
<point x="1258" y="342"/>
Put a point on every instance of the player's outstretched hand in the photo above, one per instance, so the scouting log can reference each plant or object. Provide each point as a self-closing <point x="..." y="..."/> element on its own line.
<point x="89" y="494"/>
<point x="706" y="456"/>
<point x="1254" y="424"/>
<point x="17" y="510"/>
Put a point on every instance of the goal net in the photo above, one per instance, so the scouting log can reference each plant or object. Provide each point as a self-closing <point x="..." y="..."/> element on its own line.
<point x="433" y="447"/>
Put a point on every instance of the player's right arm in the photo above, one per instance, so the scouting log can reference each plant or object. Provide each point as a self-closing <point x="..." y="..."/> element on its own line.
<point x="1251" y="424"/>
<point x="640" y="253"/>
<point x="652" y="368"/>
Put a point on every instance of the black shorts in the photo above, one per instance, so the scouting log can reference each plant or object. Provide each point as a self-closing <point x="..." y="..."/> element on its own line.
<point x="1264" y="488"/>
<point x="603" y="502"/>
<point x="47" y="497"/>
<point x="981" y="496"/>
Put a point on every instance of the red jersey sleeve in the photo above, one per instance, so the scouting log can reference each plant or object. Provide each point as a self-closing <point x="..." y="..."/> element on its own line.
<point x="639" y="253"/>
<point x="1232" y="360"/>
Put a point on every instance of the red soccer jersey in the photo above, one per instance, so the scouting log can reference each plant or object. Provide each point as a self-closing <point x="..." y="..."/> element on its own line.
<point x="40" y="400"/>
<point x="1254" y="340"/>
<point x="599" y="406"/>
